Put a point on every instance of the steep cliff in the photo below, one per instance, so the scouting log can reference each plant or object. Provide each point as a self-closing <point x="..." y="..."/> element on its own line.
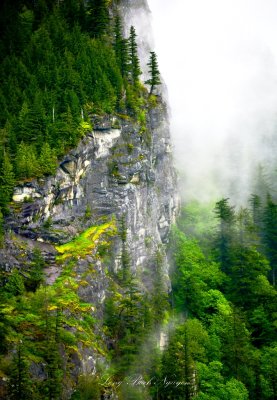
<point x="121" y="168"/>
<point x="118" y="190"/>
<point x="84" y="269"/>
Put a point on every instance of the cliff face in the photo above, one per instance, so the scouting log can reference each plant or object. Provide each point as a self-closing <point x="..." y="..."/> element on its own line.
<point x="119" y="178"/>
<point x="118" y="169"/>
<point x="107" y="210"/>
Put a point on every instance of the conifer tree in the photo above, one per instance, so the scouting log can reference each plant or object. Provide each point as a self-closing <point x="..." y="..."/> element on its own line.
<point x="159" y="297"/>
<point x="53" y="383"/>
<point x="270" y="235"/>
<point x="36" y="270"/>
<point x="20" y="385"/>
<point x="134" y="59"/>
<point x="27" y="165"/>
<point x="98" y="17"/>
<point x="117" y="35"/>
<point x="256" y="211"/>
<point x="226" y="216"/>
<point x="47" y="160"/>
<point x="7" y="181"/>
<point x="120" y="47"/>
<point x="154" y="72"/>
<point x="125" y="257"/>
<point x="1" y="232"/>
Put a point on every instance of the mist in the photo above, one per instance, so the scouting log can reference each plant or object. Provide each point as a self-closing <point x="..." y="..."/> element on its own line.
<point x="219" y="61"/>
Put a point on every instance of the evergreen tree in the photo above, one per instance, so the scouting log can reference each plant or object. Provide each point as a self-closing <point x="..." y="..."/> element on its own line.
<point x="20" y="384"/>
<point x="36" y="270"/>
<point x="132" y="321"/>
<point x="47" y="160"/>
<point x="270" y="235"/>
<point x="117" y="38"/>
<point x="27" y="165"/>
<point x="262" y="184"/>
<point x="1" y="229"/>
<point x="159" y="298"/>
<point x="187" y="345"/>
<point x="256" y="203"/>
<point x="248" y="265"/>
<point x="154" y="72"/>
<point x="134" y="59"/>
<point x="7" y="181"/>
<point x="213" y="387"/>
<point x="226" y="216"/>
<point x="53" y="383"/>
<point x="74" y="12"/>
<point x="120" y="47"/>
<point x="256" y="211"/>
<point x="15" y="284"/>
<point x="125" y="257"/>
<point x="98" y="17"/>
<point x="269" y="372"/>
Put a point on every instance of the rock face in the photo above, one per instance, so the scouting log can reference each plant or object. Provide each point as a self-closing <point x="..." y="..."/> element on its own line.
<point x="117" y="169"/>
<point x="120" y="172"/>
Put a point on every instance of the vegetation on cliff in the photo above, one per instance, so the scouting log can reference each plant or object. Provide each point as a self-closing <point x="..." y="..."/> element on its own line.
<point x="213" y="337"/>
<point x="62" y="61"/>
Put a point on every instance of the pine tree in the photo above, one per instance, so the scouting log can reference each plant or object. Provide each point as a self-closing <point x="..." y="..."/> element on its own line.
<point x="125" y="257"/>
<point x="1" y="230"/>
<point x="47" y="160"/>
<point x="20" y="385"/>
<point x="186" y="346"/>
<point x="36" y="270"/>
<point x="226" y="216"/>
<point x="154" y="72"/>
<point x="53" y="383"/>
<point x="120" y="46"/>
<point x="27" y="165"/>
<point x="134" y="59"/>
<point x="270" y="235"/>
<point x="257" y="214"/>
<point x="117" y="35"/>
<point x="159" y="297"/>
<point x="7" y="181"/>
<point x="98" y="17"/>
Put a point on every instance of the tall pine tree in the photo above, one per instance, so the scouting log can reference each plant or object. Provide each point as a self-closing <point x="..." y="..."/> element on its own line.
<point x="270" y="235"/>
<point x="98" y="17"/>
<point x="226" y="216"/>
<point x="120" y="47"/>
<point x="154" y="72"/>
<point x="134" y="59"/>
<point x="7" y="181"/>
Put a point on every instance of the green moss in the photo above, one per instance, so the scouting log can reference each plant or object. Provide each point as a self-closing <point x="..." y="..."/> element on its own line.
<point x="86" y="242"/>
<point x="152" y="101"/>
<point x="124" y="116"/>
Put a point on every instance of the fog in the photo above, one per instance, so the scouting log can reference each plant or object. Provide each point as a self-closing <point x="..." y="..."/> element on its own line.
<point x="219" y="61"/>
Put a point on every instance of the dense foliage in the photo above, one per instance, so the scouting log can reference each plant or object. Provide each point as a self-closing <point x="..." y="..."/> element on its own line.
<point x="226" y="344"/>
<point x="62" y="61"/>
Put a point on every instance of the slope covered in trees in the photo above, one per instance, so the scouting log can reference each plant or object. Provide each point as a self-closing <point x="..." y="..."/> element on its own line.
<point x="62" y="61"/>
<point x="224" y="288"/>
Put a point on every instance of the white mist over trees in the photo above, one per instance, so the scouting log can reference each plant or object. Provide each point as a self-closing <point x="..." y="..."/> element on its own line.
<point x="218" y="59"/>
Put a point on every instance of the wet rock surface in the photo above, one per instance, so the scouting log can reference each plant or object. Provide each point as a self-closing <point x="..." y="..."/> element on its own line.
<point x="113" y="171"/>
<point x="116" y="172"/>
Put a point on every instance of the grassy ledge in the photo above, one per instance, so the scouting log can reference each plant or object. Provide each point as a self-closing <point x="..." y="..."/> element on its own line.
<point x="86" y="242"/>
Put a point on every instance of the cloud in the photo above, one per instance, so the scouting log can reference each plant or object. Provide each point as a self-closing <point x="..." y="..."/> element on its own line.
<point x="219" y="61"/>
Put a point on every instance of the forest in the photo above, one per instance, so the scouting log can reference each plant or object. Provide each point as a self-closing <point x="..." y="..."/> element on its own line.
<point x="62" y="63"/>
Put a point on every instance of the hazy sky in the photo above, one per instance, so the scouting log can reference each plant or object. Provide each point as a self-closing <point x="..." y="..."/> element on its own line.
<point x="219" y="61"/>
